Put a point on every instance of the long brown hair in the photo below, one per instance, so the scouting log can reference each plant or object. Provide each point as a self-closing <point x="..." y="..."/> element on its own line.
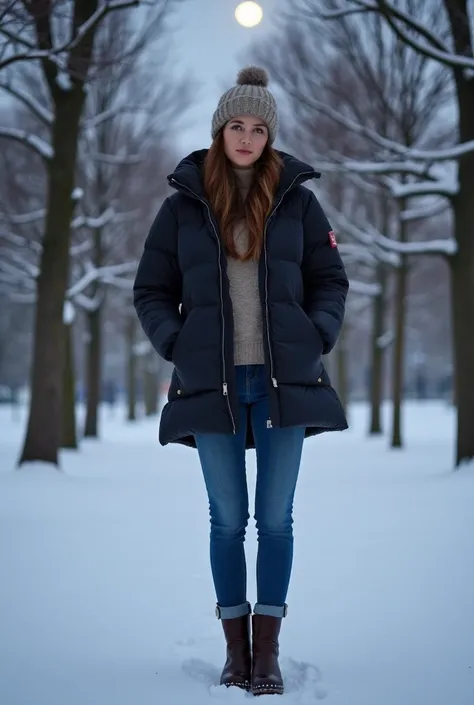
<point x="222" y="190"/>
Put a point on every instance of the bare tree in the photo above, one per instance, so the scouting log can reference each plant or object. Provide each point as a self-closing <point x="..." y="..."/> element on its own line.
<point x="126" y="113"/>
<point x="409" y="116"/>
<point x="453" y="49"/>
<point x="60" y="38"/>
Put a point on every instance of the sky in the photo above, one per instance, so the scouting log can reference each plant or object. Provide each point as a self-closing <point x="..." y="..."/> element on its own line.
<point x="211" y="45"/>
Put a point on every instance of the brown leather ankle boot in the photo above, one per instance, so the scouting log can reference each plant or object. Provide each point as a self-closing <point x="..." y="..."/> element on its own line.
<point x="266" y="674"/>
<point x="237" y="669"/>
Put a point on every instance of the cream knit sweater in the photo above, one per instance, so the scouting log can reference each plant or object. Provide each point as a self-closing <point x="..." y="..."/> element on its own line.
<point x="243" y="280"/>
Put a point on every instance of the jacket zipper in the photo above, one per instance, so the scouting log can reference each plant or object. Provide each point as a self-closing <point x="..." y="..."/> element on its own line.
<point x="221" y="276"/>
<point x="267" y="314"/>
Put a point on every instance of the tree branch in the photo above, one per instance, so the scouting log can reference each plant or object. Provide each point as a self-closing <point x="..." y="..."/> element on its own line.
<point x="438" y="51"/>
<point x="41" y="14"/>
<point x="364" y="288"/>
<point x="49" y="55"/>
<point x="38" y="145"/>
<point x="428" y="211"/>
<point x="34" y="106"/>
<point x="369" y="236"/>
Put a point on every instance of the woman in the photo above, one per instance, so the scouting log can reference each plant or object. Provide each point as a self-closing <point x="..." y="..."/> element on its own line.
<point x="242" y="288"/>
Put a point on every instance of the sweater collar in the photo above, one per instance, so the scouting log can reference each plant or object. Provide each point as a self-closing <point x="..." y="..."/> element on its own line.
<point x="244" y="176"/>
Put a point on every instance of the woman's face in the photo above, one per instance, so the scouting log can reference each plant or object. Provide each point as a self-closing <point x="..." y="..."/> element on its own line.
<point x="244" y="139"/>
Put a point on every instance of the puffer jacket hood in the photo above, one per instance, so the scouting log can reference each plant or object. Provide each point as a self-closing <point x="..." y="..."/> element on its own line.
<point x="188" y="172"/>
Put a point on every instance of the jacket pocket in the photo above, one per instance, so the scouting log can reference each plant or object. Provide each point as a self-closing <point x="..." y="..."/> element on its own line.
<point x="312" y="332"/>
<point x="176" y="389"/>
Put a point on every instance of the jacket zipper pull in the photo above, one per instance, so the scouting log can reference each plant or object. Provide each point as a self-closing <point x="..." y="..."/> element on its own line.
<point x="224" y="389"/>
<point x="275" y="383"/>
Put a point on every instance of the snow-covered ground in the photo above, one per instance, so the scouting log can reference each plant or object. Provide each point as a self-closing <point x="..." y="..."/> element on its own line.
<point x="106" y="595"/>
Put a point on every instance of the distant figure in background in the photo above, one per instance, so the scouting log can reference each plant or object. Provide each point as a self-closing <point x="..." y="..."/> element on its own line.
<point x="248" y="252"/>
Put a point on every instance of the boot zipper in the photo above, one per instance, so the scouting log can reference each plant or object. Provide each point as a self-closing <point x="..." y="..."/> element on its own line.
<point x="221" y="277"/>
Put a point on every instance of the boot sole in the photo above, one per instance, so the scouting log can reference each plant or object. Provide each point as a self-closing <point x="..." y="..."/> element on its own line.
<point x="267" y="689"/>
<point x="243" y="686"/>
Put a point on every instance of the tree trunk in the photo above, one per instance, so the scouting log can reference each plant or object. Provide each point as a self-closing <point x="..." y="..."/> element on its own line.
<point x="151" y="384"/>
<point x="401" y="276"/>
<point x="43" y="434"/>
<point x="462" y="264"/>
<point x="131" y="368"/>
<point x="379" y="316"/>
<point x="341" y="365"/>
<point x="462" y="292"/>
<point x="68" y="408"/>
<point x="94" y="378"/>
<point x="377" y="353"/>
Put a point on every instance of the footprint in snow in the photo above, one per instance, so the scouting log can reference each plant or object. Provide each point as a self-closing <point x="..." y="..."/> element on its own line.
<point x="205" y="673"/>
<point x="303" y="680"/>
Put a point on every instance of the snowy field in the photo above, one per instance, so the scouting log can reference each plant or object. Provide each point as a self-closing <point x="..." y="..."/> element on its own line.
<point x="106" y="595"/>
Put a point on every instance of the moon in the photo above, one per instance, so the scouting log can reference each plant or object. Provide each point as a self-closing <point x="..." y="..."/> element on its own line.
<point x="248" y="14"/>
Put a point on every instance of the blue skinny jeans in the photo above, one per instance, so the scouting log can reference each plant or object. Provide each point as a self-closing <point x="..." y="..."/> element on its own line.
<point x="222" y="458"/>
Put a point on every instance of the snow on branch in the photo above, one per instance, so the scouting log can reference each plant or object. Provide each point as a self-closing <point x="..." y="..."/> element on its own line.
<point x="77" y="194"/>
<point x="357" y="253"/>
<point x="118" y="282"/>
<point x="364" y="288"/>
<point x="101" y="118"/>
<point x="447" y="246"/>
<point x="92" y="275"/>
<point x="117" y="159"/>
<point x="83" y="221"/>
<point x="31" y="270"/>
<point x="96" y="17"/>
<point x="23" y="218"/>
<point x="34" y="142"/>
<point x="100" y="274"/>
<point x="81" y="248"/>
<point x="433" y="47"/>
<point x="110" y="215"/>
<point x="21" y="298"/>
<point x="33" y="105"/>
<point x="448" y="187"/>
<point x="14" y="273"/>
<point x="12" y="238"/>
<point x="428" y="211"/>
<point x="20" y="241"/>
<point x="30" y="55"/>
<point x="367" y="237"/>
<point x="341" y="163"/>
<point x="441" y="155"/>
<point x="390" y="146"/>
<point x="436" y="183"/>
<point x="89" y="304"/>
<point x="56" y="54"/>
<point x="370" y="237"/>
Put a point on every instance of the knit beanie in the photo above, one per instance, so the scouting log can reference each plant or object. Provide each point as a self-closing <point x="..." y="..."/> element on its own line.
<point x="249" y="97"/>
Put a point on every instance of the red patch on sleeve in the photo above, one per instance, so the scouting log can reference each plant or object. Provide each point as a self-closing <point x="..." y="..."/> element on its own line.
<point x="332" y="238"/>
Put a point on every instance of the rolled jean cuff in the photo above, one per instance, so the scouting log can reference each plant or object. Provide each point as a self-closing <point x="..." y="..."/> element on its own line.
<point x="271" y="610"/>
<point x="233" y="612"/>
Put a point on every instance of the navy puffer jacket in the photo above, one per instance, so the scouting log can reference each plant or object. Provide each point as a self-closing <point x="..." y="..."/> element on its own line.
<point x="181" y="295"/>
